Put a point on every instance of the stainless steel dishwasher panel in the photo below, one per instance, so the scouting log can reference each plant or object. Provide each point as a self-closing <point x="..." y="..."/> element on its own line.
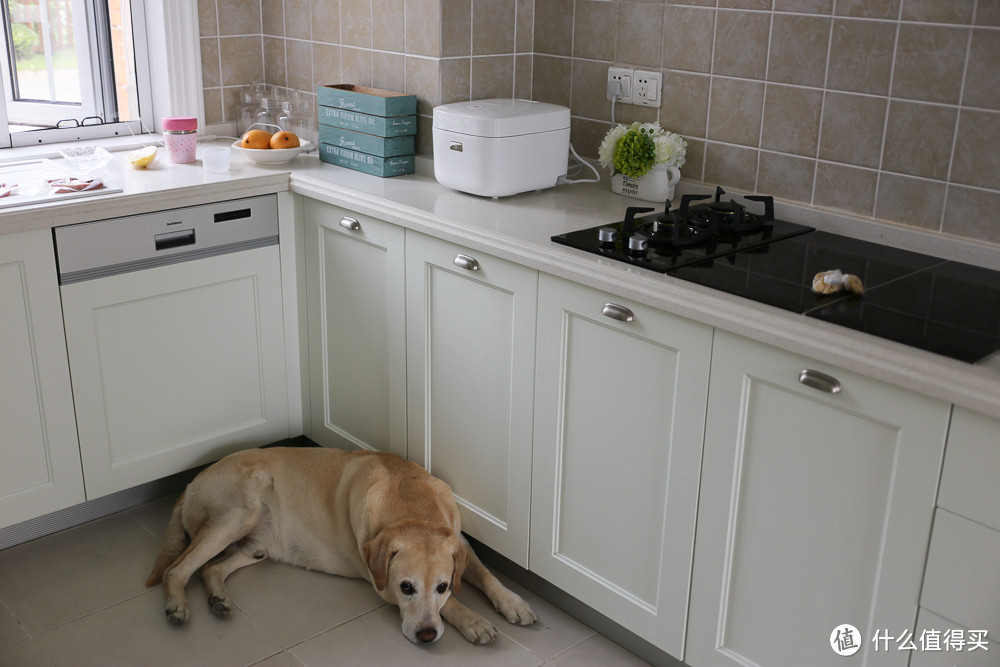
<point x="93" y="250"/>
<point x="175" y="335"/>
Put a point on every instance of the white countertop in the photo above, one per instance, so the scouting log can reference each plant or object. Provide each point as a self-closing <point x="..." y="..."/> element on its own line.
<point x="519" y="229"/>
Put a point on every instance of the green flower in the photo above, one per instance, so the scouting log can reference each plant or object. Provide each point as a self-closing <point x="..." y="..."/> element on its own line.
<point x="635" y="153"/>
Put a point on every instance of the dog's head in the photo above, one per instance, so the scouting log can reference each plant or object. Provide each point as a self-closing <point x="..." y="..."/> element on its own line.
<point x="417" y="570"/>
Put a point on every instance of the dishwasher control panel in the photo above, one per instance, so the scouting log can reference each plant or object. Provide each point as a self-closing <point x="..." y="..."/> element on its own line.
<point x="103" y="248"/>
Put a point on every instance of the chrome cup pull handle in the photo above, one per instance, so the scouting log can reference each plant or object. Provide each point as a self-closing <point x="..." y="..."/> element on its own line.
<point x="820" y="381"/>
<point x="616" y="312"/>
<point x="350" y="223"/>
<point x="466" y="262"/>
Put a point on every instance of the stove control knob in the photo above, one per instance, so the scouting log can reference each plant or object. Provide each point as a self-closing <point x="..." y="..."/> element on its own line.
<point x="637" y="244"/>
<point x="607" y="235"/>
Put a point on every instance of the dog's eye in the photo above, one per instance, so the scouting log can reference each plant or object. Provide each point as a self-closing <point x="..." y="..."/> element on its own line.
<point x="442" y="588"/>
<point x="407" y="588"/>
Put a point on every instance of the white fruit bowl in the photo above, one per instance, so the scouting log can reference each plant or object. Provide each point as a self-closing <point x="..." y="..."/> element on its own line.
<point x="271" y="155"/>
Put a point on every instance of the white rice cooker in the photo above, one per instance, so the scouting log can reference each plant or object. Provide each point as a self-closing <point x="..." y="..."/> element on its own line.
<point x="500" y="147"/>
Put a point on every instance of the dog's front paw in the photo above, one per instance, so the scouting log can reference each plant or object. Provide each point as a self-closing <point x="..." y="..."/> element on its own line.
<point x="221" y="606"/>
<point x="513" y="607"/>
<point x="177" y="612"/>
<point x="478" y="630"/>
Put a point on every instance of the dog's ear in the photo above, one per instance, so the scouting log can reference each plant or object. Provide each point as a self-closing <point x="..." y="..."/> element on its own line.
<point x="378" y="553"/>
<point x="461" y="558"/>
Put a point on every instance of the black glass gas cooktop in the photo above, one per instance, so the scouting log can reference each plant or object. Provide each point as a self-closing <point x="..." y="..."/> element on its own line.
<point x="927" y="302"/>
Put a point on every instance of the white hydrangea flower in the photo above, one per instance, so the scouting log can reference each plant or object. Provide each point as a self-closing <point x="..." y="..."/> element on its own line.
<point x="671" y="149"/>
<point x="606" y="151"/>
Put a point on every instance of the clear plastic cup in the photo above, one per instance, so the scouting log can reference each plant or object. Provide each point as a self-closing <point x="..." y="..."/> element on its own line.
<point x="215" y="158"/>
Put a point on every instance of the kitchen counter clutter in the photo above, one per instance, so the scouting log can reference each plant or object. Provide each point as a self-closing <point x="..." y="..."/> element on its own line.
<point x="519" y="229"/>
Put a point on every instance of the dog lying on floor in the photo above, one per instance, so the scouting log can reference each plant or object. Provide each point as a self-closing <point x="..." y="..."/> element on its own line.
<point x="361" y="514"/>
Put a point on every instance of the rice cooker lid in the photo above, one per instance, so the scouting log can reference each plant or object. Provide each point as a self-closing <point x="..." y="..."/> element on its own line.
<point x="501" y="117"/>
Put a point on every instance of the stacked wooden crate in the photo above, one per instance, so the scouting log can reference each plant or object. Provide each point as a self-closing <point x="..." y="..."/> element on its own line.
<point x="367" y="129"/>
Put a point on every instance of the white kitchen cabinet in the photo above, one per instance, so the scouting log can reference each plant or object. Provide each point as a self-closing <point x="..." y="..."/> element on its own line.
<point x="176" y="366"/>
<point x="470" y="322"/>
<point x="357" y="329"/>
<point x="40" y="469"/>
<point x="962" y="580"/>
<point x="621" y="391"/>
<point x="815" y="510"/>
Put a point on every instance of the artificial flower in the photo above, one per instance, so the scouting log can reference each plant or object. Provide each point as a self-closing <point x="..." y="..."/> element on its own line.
<point x="633" y="149"/>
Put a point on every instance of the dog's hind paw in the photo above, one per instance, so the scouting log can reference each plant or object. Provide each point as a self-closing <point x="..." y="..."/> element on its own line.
<point x="221" y="606"/>
<point x="516" y="610"/>
<point x="479" y="631"/>
<point x="177" y="614"/>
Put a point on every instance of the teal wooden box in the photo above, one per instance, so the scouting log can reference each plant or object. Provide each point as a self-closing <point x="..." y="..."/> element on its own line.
<point x="366" y="100"/>
<point x="367" y="143"/>
<point x="395" y="126"/>
<point x="369" y="164"/>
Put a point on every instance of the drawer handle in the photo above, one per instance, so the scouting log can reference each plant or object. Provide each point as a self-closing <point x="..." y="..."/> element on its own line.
<point x="616" y="312"/>
<point x="350" y="223"/>
<point x="820" y="381"/>
<point x="466" y="262"/>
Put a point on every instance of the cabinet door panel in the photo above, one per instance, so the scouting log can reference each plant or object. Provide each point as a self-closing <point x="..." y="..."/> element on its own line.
<point x="815" y="510"/>
<point x="357" y="330"/>
<point x="41" y="458"/>
<point x="619" y="413"/>
<point x="470" y="337"/>
<point x="176" y="366"/>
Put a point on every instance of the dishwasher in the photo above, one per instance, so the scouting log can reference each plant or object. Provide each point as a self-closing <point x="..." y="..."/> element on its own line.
<point x="175" y="335"/>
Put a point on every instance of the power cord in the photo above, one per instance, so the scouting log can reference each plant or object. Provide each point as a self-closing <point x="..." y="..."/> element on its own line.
<point x="614" y="90"/>
<point x="597" y="174"/>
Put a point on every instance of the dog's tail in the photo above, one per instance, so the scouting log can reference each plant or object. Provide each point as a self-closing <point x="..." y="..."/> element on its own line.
<point x="175" y="541"/>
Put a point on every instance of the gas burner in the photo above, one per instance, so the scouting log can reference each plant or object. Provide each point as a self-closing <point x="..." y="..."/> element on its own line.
<point x="724" y="219"/>
<point x="695" y="233"/>
<point x="670" y="228"/>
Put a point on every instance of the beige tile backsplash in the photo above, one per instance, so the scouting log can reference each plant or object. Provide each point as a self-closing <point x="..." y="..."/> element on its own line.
<point x="886" y="109"/>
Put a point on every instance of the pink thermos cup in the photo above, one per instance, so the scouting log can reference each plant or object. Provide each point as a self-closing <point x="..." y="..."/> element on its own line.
<point x="180" y="136"/>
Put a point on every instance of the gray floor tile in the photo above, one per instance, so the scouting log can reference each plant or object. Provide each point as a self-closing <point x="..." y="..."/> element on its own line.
<point x="376" y="639"/>
<point x="283" y="659"/>
<point x="62" y="577"/>
<point x="154" y="516"/>
<point x="137" y="633"/>
<point x="11" y="631"/>
<point x="24" y="654"/>
<point x="597" y="651"/>
<point x="295" y="604"/>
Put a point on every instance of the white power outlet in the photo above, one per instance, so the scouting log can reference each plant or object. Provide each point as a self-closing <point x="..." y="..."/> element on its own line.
<point x="647" y="89"/>
<point x="625" y="77"/>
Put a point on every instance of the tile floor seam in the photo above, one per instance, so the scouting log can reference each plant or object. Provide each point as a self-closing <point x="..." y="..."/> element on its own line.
<point x="571" y="647"/>
<point x="90" y="613"/>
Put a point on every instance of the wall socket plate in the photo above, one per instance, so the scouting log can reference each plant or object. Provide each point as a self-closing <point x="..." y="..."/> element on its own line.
<point x="640" y="87"/>
<point x="647" y="88"/>
<point x="625" y="77"/>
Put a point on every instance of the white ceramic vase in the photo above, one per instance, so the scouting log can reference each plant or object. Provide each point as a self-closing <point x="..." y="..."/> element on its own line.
<point x="656" y="185"/>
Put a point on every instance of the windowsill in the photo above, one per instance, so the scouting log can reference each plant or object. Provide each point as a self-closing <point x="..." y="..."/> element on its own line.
<point x="112" y="144"/>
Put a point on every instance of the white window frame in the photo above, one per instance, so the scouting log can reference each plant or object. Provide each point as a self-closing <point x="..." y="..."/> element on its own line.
<point x="173" y="82"/>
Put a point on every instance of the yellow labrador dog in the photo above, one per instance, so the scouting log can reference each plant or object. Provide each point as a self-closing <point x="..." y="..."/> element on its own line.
<point x="357" y="514"/>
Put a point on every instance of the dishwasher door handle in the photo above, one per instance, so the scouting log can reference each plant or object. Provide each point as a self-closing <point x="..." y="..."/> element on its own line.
<point x="168" y="240"/>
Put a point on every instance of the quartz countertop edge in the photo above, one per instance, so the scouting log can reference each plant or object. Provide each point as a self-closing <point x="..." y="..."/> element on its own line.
<point x="519" y="229"/>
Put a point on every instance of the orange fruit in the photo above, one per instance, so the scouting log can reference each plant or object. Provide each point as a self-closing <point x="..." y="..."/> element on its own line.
<point x="256" y="139"/>
<point x="284" y="139"/>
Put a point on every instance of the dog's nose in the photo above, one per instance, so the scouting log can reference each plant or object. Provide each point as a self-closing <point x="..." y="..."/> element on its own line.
<point x="427" y="635"/>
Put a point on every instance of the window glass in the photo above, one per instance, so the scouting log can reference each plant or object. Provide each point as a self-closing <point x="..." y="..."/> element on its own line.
<point x="71" y="69"/>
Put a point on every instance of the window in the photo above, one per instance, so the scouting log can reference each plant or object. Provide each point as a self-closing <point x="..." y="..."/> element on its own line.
<point x="73" y="69"/>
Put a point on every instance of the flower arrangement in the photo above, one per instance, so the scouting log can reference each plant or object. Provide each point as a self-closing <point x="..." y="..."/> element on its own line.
<point x="633" y="149"/>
